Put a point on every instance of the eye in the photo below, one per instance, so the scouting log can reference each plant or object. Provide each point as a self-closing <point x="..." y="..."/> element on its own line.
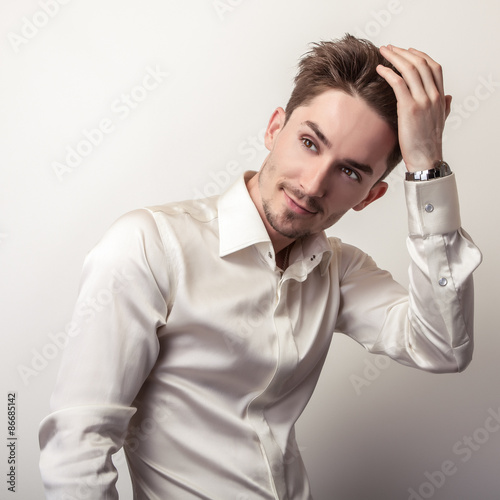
<point x="309" y="144"/>
<point x="352" y="174"/>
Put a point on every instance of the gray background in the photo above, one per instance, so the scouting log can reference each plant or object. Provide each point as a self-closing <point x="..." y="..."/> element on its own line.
<point x="374" y="429"/>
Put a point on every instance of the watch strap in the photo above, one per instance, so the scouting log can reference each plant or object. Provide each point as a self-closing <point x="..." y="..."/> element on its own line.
<point x="441" y="169"/>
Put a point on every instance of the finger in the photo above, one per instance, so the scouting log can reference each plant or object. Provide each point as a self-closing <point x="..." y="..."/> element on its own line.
<point x="436" y="68"/>
<point x="416" y="72"/>
<point x="397" y="83"/>
<point x="430" y="71"/>
<point x="411" y="75"/>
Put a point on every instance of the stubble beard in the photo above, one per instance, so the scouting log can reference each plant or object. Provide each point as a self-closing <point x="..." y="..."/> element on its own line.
<point x="283" y="223"/>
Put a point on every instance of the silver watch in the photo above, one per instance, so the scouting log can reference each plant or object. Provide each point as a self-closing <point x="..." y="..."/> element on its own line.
<point x="441" y="169"/>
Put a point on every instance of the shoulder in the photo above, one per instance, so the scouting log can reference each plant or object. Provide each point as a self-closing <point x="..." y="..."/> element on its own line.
<point x="132" y="240"/>
<point x="201" y="210"/>
<point x="135" y="226"/>
<point x="344" y="250"/>
<point x="148" y="226"/>
<point x="348" y="258"/>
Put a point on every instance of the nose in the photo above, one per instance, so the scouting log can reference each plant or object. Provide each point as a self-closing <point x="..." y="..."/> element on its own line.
<point x="314" y="180"/>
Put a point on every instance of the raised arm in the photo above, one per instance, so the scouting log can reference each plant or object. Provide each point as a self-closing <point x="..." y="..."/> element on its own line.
<point x="422" y="105"/>
<point x="431" y="326"/>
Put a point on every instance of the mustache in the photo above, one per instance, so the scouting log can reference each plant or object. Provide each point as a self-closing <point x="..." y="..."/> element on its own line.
<point x="309" y="203"/>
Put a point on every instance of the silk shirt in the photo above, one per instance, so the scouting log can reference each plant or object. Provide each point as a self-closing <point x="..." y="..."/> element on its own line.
<point x="196" y="353"/>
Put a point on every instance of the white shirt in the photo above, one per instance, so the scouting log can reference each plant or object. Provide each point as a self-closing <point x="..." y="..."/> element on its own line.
<point x="192" y="350"/>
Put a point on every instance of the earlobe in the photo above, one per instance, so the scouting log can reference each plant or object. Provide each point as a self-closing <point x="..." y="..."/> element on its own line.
<point x="276" y="123"/>
<point x="375" y="193"/>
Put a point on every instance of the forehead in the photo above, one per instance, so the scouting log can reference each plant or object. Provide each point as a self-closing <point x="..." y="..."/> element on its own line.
<point x="354" y="129"/>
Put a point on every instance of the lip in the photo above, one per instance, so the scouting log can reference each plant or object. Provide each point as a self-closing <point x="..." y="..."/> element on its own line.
<point x="296" y="207"/>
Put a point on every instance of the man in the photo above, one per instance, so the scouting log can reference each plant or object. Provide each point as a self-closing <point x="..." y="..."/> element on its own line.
<point x="216" y="315"/>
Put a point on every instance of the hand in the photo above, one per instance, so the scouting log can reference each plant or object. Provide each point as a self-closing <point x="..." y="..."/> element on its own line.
<point x="422" y="105"/>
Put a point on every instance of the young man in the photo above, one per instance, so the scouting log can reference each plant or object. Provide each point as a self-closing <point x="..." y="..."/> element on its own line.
<point x="218" y="313"/>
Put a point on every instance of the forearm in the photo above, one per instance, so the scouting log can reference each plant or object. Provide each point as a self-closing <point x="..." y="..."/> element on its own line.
<point x="433" y="329"/>
<point x="441" y="295"/>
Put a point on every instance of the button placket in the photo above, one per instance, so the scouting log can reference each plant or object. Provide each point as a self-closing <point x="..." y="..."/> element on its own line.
<point x="286" y="363"/>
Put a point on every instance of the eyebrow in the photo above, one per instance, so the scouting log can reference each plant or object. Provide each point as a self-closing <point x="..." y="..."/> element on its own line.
<point x="315" y="128"/>
<point x="363" y="167"/>
<point x="360" y="166"/>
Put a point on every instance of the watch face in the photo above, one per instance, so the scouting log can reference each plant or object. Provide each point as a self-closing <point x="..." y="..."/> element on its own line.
<point x="441" y="165"/>
<point x="443" y="168"/>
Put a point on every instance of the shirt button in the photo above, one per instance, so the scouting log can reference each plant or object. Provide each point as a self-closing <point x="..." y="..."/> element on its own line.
<point x="270" y="255"/>
<point x="443" y="282"/>
<point x="429" y="208"/>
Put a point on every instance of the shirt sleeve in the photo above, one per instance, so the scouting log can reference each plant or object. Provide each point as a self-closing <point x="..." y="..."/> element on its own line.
<point x="430" y="326"/>
<point x="112" y="348"/>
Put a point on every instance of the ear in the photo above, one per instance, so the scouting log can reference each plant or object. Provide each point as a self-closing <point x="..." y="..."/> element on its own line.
<point x="376" y="192"/>
<point x="276" y="123"/>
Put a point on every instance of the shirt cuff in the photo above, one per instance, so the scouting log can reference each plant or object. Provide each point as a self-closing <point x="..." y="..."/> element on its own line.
<point x="433" y="206"/>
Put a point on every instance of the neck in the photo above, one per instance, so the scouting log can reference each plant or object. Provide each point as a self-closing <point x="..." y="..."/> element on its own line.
<point x="283" y="257"/>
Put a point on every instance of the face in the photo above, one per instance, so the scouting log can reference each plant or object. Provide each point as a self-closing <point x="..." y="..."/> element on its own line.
<point x="326" y="160"/>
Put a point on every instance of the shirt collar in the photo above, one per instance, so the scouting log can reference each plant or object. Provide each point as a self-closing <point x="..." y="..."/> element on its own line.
<point x="315" y="250"/>
<point x="241" y="226"/>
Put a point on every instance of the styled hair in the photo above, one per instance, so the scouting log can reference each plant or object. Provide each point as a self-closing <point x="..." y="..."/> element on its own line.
<point x="348" y="64"/>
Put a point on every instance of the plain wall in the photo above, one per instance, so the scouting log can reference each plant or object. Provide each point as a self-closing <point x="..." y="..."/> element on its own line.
<point x="373" y="429"/>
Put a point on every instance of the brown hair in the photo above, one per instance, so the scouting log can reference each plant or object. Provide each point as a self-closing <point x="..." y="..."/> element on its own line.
<point x="348" y="64"/>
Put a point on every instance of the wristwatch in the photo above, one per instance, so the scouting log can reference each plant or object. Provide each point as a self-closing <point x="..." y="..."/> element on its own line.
<point x="441" y="169"/>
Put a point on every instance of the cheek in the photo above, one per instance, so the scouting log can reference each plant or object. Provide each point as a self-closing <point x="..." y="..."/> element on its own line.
<point x="332" y="219"/>
<point x="287" y="157"/>
<point x="344" y="197"/>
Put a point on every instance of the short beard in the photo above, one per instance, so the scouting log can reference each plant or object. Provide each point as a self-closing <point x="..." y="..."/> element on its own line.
<point x="283" y="224"/>
<point x="280" y="226"/>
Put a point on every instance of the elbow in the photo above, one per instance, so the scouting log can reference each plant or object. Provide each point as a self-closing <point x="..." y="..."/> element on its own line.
<point x="458" y="360"/>
<point x="455" y="360"/>
<point x="464" y="356"/>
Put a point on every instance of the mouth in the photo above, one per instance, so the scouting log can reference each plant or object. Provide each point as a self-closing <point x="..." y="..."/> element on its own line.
<point x="296" y="206"/>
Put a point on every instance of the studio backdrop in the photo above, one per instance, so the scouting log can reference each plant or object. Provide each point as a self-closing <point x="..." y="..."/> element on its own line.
<point x="110" y="106"/>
